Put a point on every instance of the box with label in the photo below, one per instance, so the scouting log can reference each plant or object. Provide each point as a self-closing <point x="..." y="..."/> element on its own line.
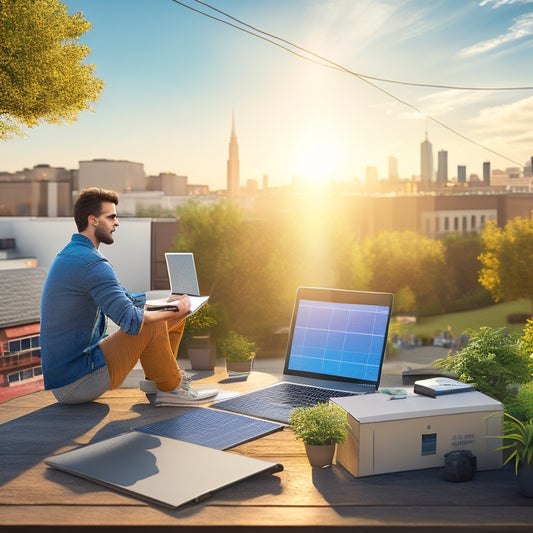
<point x="415" y="432"/>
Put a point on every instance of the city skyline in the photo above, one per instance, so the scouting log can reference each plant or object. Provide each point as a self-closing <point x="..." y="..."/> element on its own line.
<point x="174" y="78"/>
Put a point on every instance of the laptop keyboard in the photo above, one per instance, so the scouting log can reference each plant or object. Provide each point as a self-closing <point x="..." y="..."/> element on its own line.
<point x="277" y="402"/>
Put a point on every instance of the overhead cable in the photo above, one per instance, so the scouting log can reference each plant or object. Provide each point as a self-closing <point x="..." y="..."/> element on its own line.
<point x="268" y="37"/>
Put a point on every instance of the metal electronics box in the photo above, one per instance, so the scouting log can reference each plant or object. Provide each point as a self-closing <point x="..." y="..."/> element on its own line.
<point x="393" y="435"/>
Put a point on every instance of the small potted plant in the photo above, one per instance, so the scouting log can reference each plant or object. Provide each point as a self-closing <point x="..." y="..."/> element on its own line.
<point x="201" y="353"/>
<point x="321" y="428"/>
<point x="518" y="441"/>
<point x="238" y="351"/>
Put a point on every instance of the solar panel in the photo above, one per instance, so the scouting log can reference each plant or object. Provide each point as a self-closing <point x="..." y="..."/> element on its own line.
<point x="211" y="428"/>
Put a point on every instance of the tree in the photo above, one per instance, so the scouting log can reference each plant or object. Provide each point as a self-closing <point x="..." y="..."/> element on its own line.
<point x="407" y="260"/>
<point x="462" y="258"/>
<point x="507" y="259"/>
<point x="42" y="77"/>
<point x="245" y="265"/>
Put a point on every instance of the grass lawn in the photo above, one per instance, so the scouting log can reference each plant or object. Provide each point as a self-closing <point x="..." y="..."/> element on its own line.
<point x="492" y="316"/>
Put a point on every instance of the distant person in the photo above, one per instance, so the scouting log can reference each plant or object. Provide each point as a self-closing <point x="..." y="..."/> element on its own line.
<point x="79" y="361"/>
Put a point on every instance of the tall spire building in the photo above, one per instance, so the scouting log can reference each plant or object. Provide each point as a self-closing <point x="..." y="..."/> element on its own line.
<point x="233" y="162"/>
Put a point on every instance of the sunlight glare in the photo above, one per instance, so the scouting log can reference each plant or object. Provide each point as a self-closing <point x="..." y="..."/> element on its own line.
<point x="317" y="160"/>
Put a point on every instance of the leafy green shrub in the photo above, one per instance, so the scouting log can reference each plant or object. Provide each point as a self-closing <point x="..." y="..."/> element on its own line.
<point x="526" y="339"/>
<point x="320" y="424"/>
<point x="491" y="361"/>
<point x="201" y="322"/>
<point x="521" y="405"/>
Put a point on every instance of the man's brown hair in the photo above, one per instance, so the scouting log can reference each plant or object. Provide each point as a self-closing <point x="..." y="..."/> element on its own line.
<point x="89" y="202"/>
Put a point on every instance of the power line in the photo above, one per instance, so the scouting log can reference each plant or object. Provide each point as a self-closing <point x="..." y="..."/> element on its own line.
<point x="364" y="78"/>
<point x="358" y="74"/>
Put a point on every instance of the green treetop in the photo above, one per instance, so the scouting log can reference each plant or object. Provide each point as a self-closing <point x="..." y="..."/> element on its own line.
<point x="507" y="259"/>
<point x="42" y="77"/>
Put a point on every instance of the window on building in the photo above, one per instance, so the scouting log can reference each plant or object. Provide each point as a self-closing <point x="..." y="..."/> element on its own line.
<point x="456" y="223"/>
<point x="14" y="346"/>
<point x="465" y="224"/>
<point x="473" y="222"/>
<point x="446" y="224"/>
<point x="25" y="374"/>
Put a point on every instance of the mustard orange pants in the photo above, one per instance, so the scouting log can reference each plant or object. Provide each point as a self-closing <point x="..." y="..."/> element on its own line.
<point x="155" y="346"/>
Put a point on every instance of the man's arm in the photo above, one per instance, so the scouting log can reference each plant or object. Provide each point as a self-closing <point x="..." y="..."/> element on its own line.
<point x="183" y="304"/>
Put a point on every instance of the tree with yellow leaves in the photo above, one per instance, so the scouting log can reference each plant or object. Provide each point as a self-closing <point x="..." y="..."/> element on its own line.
<point x="507" y="259"/>
<point x="42" y="74"/>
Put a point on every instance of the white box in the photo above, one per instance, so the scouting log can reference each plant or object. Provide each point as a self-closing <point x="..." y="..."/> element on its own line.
<point x="392" y="435"/>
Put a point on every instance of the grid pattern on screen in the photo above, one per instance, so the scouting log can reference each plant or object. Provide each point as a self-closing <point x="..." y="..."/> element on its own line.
<point x="338" y="339"/>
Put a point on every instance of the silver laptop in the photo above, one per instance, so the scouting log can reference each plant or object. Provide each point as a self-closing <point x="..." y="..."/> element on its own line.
<point x="336" y="347"/>
<point x="151" y="467"/>
<point x="182" y="273"/>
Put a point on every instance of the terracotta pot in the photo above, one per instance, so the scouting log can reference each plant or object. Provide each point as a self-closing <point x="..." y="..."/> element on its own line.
<point x="320" y="455"/>
<point x="201" y="354"/>
<point x="239" y="366"/>
<point x="525" y="480"/>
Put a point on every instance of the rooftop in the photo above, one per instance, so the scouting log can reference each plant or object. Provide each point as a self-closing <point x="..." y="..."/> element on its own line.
<point x="34" y="496"/>
<point x="22" y="288"/>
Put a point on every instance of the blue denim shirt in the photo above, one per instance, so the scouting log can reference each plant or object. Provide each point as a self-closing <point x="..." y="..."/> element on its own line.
<point x="81" y="289"/>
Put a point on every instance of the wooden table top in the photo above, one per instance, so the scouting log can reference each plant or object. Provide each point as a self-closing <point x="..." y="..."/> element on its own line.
<point x="35" y="497"/>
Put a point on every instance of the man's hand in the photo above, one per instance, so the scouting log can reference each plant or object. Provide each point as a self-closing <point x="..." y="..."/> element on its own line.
<point x="183" y="301"/>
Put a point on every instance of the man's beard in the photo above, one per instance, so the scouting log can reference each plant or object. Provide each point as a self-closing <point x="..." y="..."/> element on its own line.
<point x="102" y="236"/>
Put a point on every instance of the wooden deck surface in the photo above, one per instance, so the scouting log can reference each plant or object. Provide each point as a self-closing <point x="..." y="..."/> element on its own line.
<point x="34" y="497"/>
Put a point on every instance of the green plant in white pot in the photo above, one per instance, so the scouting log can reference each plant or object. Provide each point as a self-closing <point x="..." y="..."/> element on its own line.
<point x="518" y="441"/>
<point x="321" y="428"/>
<point x="238" y="351"/>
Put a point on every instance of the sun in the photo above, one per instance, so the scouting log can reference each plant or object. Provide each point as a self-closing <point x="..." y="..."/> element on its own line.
<point x="316" y="160"/>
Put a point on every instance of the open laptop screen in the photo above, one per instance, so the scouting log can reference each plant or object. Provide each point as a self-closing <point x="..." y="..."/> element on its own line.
<point x="338" y="335"/>
<point x="182" y="273"/>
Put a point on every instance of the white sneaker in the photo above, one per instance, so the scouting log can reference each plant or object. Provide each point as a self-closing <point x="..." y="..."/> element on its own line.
<point x="150" y="387"/>
<point x="182" y="395"/>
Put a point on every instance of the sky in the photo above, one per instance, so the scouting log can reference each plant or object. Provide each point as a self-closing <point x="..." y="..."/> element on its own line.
<point x="175" y="78"/>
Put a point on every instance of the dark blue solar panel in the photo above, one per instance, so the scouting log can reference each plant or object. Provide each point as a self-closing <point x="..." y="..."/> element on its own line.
<point x="215" y="429"/>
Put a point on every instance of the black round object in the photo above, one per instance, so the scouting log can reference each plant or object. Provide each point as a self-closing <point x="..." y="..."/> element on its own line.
<point x="459" y="465"/>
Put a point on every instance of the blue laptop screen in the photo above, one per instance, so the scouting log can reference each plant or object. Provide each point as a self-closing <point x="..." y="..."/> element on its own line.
<point x="338" y="340"/>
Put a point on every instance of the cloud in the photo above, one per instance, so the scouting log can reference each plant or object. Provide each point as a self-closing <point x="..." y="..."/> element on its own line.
<point x="515" y="118"/>
<point x="443" y="102"/>
<point x="353" y="27"/>
<point x="522" y="27"/>
<point x="499" y="3"/>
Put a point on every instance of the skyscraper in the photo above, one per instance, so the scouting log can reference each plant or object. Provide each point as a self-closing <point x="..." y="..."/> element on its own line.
<point x="442" y="167"/>
<point x="233" y="175"/>
<point x="426" y="161"/>
<point x="461" y="173"/>
<point x="486" y="173"/>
